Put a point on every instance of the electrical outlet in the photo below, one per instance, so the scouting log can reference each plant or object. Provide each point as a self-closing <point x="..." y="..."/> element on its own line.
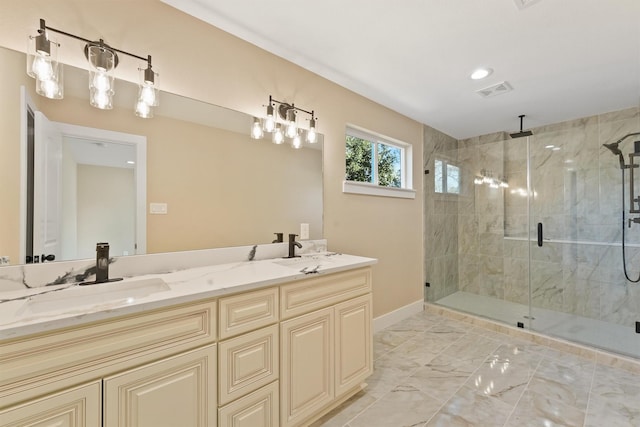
<point x="304" y="231"/>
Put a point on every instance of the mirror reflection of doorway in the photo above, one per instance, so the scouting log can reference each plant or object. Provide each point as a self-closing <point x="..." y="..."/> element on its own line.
<point x="84" y="186"/>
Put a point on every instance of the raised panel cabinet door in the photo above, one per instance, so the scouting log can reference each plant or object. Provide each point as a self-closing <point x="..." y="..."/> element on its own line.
<point x="77" y="407"/>
<point x="176" y="391"/>
<point x="258" y="409"/>
<point x="247" y="362"/>
<point x="306" y="370"/>
<point x="354" y="346"/>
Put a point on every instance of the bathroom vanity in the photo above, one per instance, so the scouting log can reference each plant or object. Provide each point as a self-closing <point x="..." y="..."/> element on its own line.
<point x="272" y="342"/>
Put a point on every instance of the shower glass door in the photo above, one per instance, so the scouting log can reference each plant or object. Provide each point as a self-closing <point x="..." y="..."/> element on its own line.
<point x="571" y="283"/>
<point x="577" y="284"/>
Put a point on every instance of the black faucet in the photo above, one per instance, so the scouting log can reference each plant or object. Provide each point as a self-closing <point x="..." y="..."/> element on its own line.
<point x="292" y="246"/>
<point x="279" y="238"/>
<point x="102" y="265"/>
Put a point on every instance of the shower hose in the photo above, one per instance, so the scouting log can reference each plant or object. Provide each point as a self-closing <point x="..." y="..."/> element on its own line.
<point x="624" y="257"/>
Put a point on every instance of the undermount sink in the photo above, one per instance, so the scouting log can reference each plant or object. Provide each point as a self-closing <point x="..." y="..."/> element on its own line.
<point x="126" y="291"/>
<point x="308" y="264"/>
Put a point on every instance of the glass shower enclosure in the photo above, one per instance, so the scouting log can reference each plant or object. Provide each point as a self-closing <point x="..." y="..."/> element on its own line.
<point x="532" y="234"/>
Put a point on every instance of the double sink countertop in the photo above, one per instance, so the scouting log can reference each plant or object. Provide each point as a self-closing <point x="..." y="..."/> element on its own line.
<point x="34" y="310"/>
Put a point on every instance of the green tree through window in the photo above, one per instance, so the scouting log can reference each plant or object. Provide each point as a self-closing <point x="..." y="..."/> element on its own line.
<point x="360" y="162"/>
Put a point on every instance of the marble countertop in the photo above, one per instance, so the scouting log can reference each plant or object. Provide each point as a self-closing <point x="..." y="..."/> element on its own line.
<point x="28" y="311"/>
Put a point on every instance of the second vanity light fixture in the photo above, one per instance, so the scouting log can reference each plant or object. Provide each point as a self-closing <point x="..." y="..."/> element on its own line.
<point x="43" y="65"/>
<point x="284" y="124"/>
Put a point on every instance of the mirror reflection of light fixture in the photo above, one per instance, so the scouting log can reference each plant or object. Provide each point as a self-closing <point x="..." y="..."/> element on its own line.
<point x="278" y="135"/>
<point x="284" y="124"/>
<point x="486" y="177"/>
<point x="103" y="59"/>
<point x="296" y="142"/>
<point x="256" y="129"/>
<point x="43" y="66"/>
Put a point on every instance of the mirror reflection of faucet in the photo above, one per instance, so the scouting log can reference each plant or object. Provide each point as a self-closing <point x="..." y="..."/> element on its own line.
<point x="279" y="238"/>
<point x="102" y="265"/>
<point x="292" y="246"/>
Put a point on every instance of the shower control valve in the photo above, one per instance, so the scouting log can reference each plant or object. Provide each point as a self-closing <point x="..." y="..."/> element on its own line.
<point x="634" y="220"/>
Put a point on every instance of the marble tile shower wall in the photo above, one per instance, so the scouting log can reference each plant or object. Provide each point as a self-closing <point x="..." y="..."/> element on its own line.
<point x="440" y="220"/>
<point x="577" y="196"/>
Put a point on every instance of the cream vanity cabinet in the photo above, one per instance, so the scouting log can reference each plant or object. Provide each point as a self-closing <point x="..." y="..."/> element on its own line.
<point x="149" y="369"/>
<point x="281" y="355"/>
<point x="325" y="341"/>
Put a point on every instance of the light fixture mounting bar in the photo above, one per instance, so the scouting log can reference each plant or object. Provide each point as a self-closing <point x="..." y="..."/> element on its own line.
<point x="44" y="27"/>
<point x="291" y="107"/>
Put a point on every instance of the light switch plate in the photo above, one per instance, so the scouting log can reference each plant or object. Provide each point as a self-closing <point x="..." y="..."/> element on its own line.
<point x="304" y="231"/>
<point x="158" y="208"/>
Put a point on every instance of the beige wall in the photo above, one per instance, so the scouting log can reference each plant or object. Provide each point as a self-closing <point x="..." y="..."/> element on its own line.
<point x="241" y="76"/>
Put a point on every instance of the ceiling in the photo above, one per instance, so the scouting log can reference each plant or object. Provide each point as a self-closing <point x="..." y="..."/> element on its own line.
<point x="564" y="59"/>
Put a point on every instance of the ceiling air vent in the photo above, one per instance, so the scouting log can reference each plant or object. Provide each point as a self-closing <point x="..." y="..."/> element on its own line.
<point x="495" y="90"/>
<point x="524" y="3"/>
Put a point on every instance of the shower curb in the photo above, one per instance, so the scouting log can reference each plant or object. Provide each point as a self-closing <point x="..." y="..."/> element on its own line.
<point x="599" y="356"/>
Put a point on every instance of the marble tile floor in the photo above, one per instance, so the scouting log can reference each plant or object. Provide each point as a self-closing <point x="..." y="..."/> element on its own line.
<point x="432" y="370"/>
<point x="609" y="336"/>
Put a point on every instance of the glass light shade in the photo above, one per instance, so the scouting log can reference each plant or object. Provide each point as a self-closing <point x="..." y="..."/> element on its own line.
<point x="144" y="110"/>
<point x="42" y="57"/>
<point x="149" y="90"/>
<point x="278" y="135"/>
<point x="101" y="80"/>
<point x="292" y="128"/>
<point x="312" y="136"/>
<point x="270" y="121"/>
<point x="296" y="142"/>
<point x="53" y="86"/>
<point x="256" y="129"/>
<point x="101" y="99"/>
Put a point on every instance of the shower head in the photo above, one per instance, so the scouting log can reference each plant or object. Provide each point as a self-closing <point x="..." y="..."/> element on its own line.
<point x="522" y="132"/>
<point x="614" y="148"/>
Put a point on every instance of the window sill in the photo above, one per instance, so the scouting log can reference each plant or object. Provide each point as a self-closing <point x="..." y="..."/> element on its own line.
<point x="365" y="188"/>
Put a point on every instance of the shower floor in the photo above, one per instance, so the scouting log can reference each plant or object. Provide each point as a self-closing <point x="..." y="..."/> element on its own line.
<point x="596" y="333"/>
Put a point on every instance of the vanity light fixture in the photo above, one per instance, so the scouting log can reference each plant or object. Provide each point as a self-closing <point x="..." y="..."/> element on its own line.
<point x="278" y="135"/>
<point x="256" y="129"/>
<point x="284" y="124"/>
<point x="42" y="64"/>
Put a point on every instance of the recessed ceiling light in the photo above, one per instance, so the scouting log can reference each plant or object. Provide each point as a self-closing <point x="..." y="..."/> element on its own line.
<point x="481" y="73"/>
<point x="131" y="162"/>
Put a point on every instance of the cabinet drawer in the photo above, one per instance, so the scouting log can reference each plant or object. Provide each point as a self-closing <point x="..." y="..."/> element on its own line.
<point x="248" y="311"/>
<point x="45" y="363"/>
<point x="247" y="363"/>
<point x="258" y="409"/>
<point x="77" y="407"/>
<point x="318" y="292"/>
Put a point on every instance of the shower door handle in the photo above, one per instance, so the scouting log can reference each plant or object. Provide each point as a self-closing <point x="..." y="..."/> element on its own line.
<point x="540" y="234"/>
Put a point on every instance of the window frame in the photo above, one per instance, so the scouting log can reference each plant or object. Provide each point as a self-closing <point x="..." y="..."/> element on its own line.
<point x="374" y="188"/>
<point x="445" y="163"/>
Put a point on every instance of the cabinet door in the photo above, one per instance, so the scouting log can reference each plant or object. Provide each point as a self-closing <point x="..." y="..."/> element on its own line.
<point x="354" y="347"/>
<point x="306" y="370"/>
<point x="258" y="409"/>
<point x="177" y="391"/>
<point x="77" y="407"/>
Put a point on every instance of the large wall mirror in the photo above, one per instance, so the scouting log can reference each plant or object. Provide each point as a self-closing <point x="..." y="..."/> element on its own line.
<point x="189" y="178"/>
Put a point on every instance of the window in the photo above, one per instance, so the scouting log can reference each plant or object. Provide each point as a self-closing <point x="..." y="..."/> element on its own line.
<point x="447" y="177"/>
<point x="377" y="165"/>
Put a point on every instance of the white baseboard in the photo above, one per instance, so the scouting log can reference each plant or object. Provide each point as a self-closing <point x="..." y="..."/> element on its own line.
<point x="386" y="320"/>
